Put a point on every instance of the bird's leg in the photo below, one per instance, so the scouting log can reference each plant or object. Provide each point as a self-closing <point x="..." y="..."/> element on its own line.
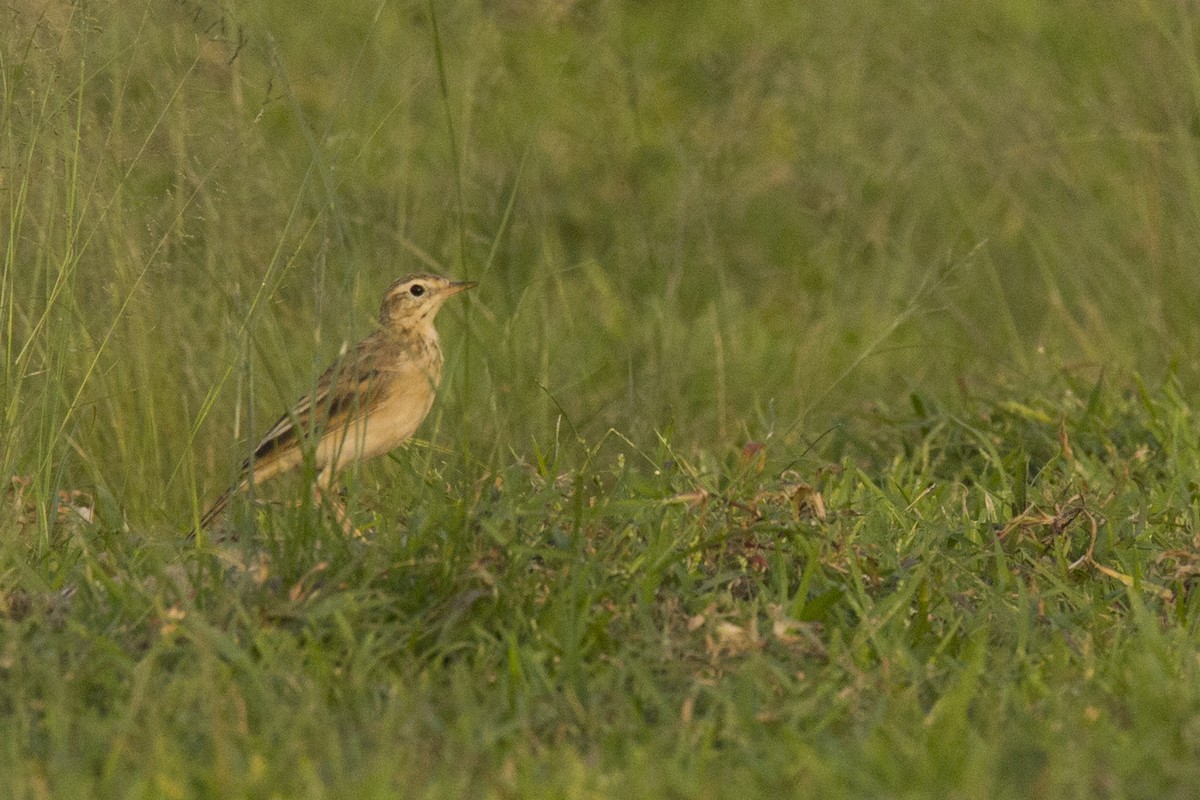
<point x="339" y="508"/>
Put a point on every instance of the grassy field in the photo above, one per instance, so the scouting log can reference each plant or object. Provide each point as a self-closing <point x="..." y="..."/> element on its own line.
<point x="823" y="426"/>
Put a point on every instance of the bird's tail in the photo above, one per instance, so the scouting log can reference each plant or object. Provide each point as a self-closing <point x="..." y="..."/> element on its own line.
<point x="216" y="508"/>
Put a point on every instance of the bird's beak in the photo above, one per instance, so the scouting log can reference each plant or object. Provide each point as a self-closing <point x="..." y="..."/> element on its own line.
<point x="460" y="286"/>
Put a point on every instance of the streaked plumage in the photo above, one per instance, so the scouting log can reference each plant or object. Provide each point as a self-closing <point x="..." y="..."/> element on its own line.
<point x="369" y="400"/>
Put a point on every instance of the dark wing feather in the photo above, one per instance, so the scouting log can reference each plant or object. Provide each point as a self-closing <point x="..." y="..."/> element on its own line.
<point x="349" y="387"/>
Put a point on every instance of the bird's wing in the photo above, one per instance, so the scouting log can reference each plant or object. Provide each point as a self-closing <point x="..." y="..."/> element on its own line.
<point x="349" y="388"/>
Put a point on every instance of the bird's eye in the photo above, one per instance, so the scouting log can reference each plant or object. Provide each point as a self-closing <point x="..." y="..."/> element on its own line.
<point x="416" y="290"/>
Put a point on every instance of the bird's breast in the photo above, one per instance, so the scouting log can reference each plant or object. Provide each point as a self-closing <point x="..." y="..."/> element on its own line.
<point x="404" y="401"/>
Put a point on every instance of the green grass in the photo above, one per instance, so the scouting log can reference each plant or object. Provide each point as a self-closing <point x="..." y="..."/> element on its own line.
<point x="823" y="425"/>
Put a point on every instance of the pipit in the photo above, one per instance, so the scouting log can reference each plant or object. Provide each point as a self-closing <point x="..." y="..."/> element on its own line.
<point x="369" y="400"/>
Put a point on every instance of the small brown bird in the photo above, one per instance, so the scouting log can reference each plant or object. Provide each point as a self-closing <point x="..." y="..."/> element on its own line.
<point x="369" y="400"/>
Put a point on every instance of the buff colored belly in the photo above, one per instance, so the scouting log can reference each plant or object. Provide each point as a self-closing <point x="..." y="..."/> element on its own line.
<point x="385" y="428"/>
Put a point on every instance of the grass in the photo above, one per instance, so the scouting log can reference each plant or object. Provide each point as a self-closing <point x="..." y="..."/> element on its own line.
<point x="823" y="425"/>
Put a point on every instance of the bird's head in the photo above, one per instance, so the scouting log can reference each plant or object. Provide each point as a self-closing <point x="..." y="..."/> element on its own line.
<point x="414" y="301"/>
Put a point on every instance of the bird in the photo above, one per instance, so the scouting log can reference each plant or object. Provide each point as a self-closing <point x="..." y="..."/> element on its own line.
<point x="372" y="397"/>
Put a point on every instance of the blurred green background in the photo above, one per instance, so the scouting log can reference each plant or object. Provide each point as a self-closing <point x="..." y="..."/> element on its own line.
<point x="727" y="220"/>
